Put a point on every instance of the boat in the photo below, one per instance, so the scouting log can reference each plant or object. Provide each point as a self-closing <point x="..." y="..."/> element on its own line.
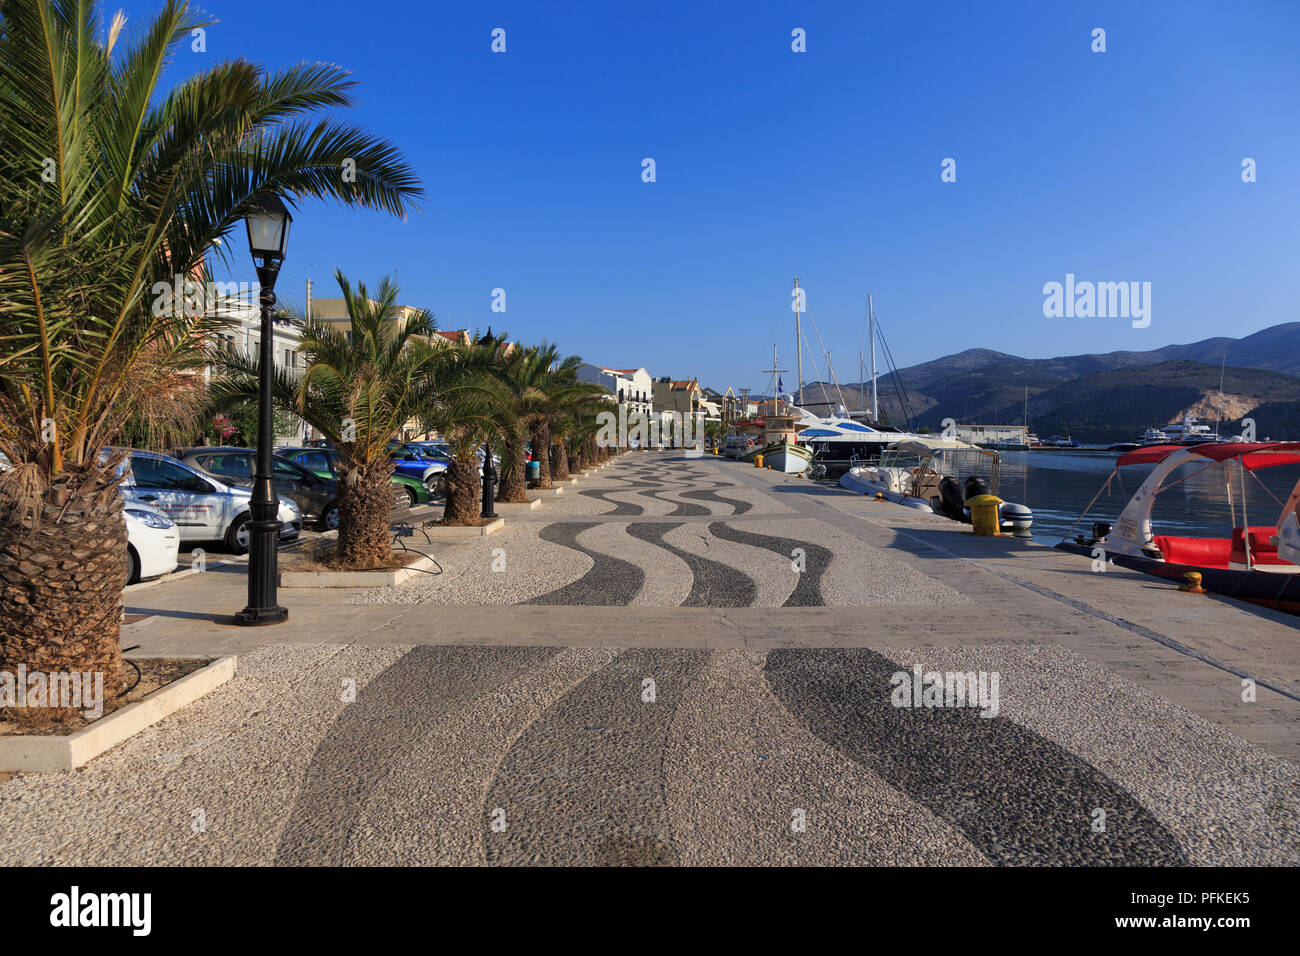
<point x="742" y="437"/>
<point x="1189" y="431"/>
<point x="1059" y="441"/>
<point x="1255" y="563"/>
<point x="778" y="447"/>
<point x="837" y="442"/>
<point x="924" y="473"/>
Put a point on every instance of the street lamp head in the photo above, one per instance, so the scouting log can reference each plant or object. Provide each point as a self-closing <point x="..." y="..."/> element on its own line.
<point x="268" y="229"/>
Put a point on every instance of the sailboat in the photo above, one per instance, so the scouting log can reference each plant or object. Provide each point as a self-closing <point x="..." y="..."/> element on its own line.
<point x="773" y="434"/>
<point x="840" y="442"/>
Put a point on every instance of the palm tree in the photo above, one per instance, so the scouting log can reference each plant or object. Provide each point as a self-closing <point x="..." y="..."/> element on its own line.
<point x="107" y="188"/>
<point x="359" y="388"/>
<point x="524" y="376"/>
<point x="560" y="386"/>
<point x="470" y="405"/>
<point x="575" y="429"/>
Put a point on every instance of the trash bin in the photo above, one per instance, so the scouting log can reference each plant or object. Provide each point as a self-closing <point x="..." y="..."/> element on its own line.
<point x="984" y="514"/>
<point x="534" y="471"/>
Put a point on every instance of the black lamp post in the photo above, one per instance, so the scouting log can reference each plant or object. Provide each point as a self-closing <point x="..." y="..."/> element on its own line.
<point x="489" y="483"/>
<point x="489" y="471"/>
<point x="268" y="237"/>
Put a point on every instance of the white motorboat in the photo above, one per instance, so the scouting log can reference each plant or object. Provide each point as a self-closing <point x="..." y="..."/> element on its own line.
<point x="921" y="473"/>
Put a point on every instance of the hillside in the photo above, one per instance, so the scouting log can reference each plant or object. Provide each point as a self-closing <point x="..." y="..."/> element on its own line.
<point x="1111" y="396"/>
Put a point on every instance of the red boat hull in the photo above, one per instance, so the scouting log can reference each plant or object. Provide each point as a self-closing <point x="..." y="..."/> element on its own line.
<point x="1280" y="592"/>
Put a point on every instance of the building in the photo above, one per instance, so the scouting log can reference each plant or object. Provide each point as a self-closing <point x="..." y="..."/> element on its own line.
<point x="632" y="388"/>
<point x="683" y="397"/>
<point x="988" y="434"/>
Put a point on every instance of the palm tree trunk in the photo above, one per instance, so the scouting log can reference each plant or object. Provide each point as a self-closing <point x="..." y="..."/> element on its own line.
<point x="464" y="486"/>
<point x="514" y="483"/>
<point x="365" y="506"/>
<point x="61" y="579"/>
<point x="561" y="461"/>
<point x="541" y="452"/>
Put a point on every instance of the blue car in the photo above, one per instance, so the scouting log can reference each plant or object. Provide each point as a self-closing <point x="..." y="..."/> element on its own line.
<point x="407" y="462"/>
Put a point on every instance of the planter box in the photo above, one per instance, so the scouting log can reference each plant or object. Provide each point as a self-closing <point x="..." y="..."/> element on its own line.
<point x="510" y="507"/>
<point x="35" y="754"/>
<point x="358" y="579"/>
<point x="464" y="534"/>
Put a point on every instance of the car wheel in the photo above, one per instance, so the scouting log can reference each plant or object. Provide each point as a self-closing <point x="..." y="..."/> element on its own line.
<point x="238" y="535"/>
<point x="132" y="565"/>
<point x="412" y="499"/>
<point x="330" y="519"/>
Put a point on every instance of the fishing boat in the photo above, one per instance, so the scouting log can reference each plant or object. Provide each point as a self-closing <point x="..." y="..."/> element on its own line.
<point x="778" y="446"/>
<point x="925" y="474"/>
<point x="742" y="437"/>
<point x="1255" y="563"/>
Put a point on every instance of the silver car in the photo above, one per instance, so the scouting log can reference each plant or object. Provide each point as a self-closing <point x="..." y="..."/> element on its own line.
<point x="204" y="508"/>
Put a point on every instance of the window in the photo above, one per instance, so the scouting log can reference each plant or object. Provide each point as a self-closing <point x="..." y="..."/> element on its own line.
<point x="238" y="467"/>
<point x="316" y="461"/>
<point x="154" y="473"/>
<point x="289" y="355"/>
<point x="287" y="470"/>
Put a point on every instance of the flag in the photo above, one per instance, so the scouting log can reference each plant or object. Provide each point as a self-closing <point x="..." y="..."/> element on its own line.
<point x="780" y="384"/>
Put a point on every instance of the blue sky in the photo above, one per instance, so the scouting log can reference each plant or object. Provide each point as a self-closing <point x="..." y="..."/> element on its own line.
<point x="1115" y="166"/>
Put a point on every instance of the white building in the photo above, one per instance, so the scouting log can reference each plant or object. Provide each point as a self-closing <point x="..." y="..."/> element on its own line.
<point x="988" y="434"/>
<point x="628" y="386"/>
<point x="243" y="335"/>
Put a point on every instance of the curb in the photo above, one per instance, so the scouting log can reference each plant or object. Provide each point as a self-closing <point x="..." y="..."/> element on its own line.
<point x="35" y="754"/>
<point x="354" y="579"/>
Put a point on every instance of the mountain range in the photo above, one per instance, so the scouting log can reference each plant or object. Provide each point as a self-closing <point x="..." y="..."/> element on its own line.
<point x="1102" y="397"/>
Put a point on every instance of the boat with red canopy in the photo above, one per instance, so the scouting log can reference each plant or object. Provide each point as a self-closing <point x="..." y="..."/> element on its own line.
<point x="1259" y="563"/>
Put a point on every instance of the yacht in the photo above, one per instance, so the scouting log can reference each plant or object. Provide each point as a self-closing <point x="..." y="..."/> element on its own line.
<point x="838" y="443"/>
<point x="1187" y="432"/>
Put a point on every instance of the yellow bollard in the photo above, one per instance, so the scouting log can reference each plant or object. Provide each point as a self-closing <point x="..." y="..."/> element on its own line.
<point x="1193" y="585"/>
<point x="758" y="461"/>
<point x="984" y="515"/>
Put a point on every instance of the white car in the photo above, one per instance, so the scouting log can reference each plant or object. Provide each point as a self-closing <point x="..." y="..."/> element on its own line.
<point x="203" y="508"/>
<point x="152" y="543"/>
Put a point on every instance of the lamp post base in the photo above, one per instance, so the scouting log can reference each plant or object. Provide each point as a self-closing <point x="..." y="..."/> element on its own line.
<point x="259" y="616"/>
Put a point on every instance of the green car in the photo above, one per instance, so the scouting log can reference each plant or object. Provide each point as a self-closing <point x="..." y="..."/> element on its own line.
<point x="323" y="462"/>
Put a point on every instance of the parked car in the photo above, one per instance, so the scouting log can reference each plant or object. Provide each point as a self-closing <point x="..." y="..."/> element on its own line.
<point x="315" y="496"/>
<point x="429" y="471"/>
<point x="324" y="462"/>
<point x="152" y="543"/>
<point x="203" y="507"/>
<point x="440" y="452"/>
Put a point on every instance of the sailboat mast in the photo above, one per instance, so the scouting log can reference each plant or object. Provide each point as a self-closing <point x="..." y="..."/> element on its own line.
<point x="871" y="321"/>
<point x="774" y="397"/>
<point x="798" y="339"/>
